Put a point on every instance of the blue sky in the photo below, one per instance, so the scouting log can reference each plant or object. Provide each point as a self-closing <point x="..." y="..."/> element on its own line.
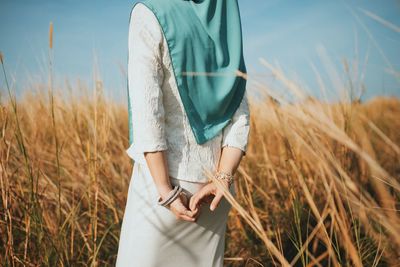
<point x="280" y="31"/>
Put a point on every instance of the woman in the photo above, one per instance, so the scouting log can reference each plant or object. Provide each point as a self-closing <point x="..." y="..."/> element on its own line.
<point x="188" y="117"/>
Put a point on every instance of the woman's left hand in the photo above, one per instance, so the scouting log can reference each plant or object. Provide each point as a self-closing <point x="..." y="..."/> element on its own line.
<point x="204" y="195"/>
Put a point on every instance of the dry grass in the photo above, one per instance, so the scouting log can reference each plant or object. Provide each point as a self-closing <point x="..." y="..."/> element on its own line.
<point x="321" y="180"/>
<point x="319" y="185"/>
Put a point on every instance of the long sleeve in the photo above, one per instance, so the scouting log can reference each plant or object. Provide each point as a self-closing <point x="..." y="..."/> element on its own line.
<point x="236" y="133"/>
<point x="145" y="78"/>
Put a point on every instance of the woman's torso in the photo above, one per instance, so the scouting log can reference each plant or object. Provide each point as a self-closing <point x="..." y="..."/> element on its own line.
<point x="186" y="159"/>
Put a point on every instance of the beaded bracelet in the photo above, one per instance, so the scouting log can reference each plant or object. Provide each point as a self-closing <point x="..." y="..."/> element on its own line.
<point x="172" y="195"/>
<point x="223" y="176"/>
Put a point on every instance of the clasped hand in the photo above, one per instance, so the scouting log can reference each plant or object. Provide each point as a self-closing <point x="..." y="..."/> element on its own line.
<point x="190" y="210"/>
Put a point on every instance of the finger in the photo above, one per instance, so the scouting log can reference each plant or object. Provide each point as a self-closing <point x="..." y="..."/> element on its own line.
<point x="184" y="211"/>
<point x="216" y="201"/>
<point x="197" y="197"/>
<point x="196" y="214"/>
<point x="191" y="202"/>
<point x="195" y="211"/>
<point x="187" y="214"/>
<point x="194" y="201"/>
<point x="187" y="218"/>
<point x="200" y="195"/>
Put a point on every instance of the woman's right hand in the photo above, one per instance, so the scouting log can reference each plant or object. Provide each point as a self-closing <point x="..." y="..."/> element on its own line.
<point x="181" y="209"/>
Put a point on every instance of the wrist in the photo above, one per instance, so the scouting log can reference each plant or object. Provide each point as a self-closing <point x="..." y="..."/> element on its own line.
<point x="164" y="190"/>
<point x="226" y="177"/>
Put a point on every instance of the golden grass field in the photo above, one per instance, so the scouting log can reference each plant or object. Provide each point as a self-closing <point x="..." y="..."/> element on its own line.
<point x="319" y="186"/>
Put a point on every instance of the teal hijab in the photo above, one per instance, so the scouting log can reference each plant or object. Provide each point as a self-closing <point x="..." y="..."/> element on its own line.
<point x="205" y="45"/>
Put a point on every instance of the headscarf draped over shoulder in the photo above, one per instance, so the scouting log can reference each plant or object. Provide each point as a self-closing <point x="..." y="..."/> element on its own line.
<point x="205" y="45"/>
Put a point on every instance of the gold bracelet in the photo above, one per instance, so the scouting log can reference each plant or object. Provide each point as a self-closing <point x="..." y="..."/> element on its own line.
<point x="221" y="175"/>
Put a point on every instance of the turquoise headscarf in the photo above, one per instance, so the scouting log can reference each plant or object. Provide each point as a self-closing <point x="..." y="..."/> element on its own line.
<point x="205" y="45"/>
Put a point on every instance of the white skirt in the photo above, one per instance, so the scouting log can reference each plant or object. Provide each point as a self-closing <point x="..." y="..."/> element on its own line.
<point x="151" y="235"/>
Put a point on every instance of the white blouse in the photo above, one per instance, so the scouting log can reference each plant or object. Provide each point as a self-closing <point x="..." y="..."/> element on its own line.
<point x="159" y="121"/>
